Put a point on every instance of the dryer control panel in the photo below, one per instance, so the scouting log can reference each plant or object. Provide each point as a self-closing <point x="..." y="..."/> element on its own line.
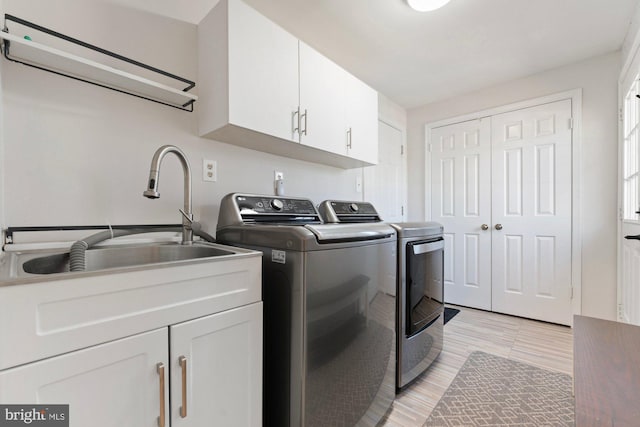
<point x="337" y="211"/>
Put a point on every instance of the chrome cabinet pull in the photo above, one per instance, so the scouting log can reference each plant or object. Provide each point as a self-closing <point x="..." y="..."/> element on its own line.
<point x="498" y="226"/>
<point x="349" y="138"/>
<point x="484" y="227"/>
<point x="183" y="366"/>
<point x="160" y="368"/>
<point x="295" y="123"/>
<point x="304" y="131"/>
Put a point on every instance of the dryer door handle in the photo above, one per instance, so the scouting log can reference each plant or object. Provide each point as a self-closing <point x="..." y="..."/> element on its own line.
<point x="428" y="247"/>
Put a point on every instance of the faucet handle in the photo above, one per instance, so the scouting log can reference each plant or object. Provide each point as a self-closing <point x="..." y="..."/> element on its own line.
<point x="187" y="216"/>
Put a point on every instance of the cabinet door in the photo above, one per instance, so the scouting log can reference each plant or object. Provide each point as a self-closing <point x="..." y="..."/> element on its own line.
<point x="361" y="103"/>
<point x="263" y="73"/>
<point x="110" y="385"/>
<point x="221" y="371"/>
<point x="323" y="113"/>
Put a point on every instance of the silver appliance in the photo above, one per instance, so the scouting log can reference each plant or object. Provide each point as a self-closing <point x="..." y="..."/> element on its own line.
<point x="329" y="328"/>
<point x="419" y="285"/>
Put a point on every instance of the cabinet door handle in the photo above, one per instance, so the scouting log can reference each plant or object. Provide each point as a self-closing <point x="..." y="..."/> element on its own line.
<point x="160" y="367"/>
<point x="303" y="131"/>
<point x="183" y="366"/>
<point x="349" y="138"/>
<point x="295" y="121"/>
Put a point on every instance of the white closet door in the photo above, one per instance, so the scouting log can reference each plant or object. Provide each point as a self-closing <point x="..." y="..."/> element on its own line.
<point x="531" y="206"/>
<point x="461" y="202"/>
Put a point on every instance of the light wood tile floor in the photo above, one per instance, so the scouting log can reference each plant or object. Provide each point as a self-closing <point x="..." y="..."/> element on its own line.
<point x="537" y="343"/>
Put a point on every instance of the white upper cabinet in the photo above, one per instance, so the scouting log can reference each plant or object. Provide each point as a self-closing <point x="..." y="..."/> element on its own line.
<point x="361" y="103"/>
<point x="263" y="73"/>
<point x="322" y="114"/>
<point x="263" y="89"/>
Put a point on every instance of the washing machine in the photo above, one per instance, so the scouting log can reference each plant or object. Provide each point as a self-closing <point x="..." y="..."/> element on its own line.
<point x="419" y="285"/>
<point x="329" y="326"/>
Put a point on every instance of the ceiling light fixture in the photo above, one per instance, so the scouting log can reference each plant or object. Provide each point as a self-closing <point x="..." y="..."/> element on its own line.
<point x="426" y="5"/>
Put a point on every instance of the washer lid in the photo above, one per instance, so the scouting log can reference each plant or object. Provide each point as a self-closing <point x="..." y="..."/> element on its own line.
<point x="335" y="233"/>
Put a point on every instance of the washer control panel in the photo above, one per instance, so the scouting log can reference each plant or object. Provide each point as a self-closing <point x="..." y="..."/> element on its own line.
<point x="274" y="205"/>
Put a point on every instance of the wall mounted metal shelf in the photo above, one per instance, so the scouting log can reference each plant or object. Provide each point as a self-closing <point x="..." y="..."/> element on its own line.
<point x="25" y="51"/>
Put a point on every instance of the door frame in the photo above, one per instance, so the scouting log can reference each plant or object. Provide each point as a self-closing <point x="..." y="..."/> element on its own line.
<point x="575" y="95"/>
<point x="630" y="69"/>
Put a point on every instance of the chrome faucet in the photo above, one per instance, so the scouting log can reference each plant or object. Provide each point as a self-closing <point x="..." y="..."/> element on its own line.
<point x="152" y="189"/>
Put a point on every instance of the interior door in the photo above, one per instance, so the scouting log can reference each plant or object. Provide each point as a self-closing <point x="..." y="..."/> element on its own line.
<point x="384" y="183"/>
<point x="461" y="202"/>
<point x="531" y="212"/>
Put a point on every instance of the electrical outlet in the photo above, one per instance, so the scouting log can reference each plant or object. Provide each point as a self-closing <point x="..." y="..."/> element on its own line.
<point x="277" y="175"/>
<point x="209" y="170"/>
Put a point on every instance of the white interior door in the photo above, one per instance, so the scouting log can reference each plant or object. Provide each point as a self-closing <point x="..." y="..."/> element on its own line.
<point x="384" y="183"/>
<point x="531" y="198"/>
<point x="461" y="202"/>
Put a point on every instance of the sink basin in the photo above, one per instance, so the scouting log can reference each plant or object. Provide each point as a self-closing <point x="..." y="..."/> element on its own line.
<point x="124" y="256"/>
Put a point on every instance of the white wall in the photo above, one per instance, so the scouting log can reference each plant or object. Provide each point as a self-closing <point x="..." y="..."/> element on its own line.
<point x="76" y="154"/>
<point x="632" y="34"/>
<point x="598" y="79"/>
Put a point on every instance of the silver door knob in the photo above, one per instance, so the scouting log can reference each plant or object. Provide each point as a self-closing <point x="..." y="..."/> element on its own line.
<point x="498" y="226"/>
<point x="484" y="226"/>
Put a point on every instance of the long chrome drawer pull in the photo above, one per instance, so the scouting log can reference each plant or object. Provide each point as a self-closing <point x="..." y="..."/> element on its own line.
<point x="160" y="367"/>
<point x="183" y="366"/>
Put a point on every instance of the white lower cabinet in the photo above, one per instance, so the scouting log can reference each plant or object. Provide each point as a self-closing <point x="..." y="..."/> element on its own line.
<point x="138" y="381"/>
<point x="216" y="369"/>
<point x="108" y="385"/>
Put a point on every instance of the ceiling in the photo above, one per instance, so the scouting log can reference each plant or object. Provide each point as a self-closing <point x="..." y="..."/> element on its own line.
<point x="416" y="58"/>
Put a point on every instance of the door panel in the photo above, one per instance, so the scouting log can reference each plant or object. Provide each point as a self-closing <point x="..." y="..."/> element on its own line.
<point x="461" y="202"/>
<point x="108" y="385"/>
<point x="263" y="73"/>
<point x="531" y="200"/>
<point x="323" y="126"/>
<point x="223" y="354"/>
